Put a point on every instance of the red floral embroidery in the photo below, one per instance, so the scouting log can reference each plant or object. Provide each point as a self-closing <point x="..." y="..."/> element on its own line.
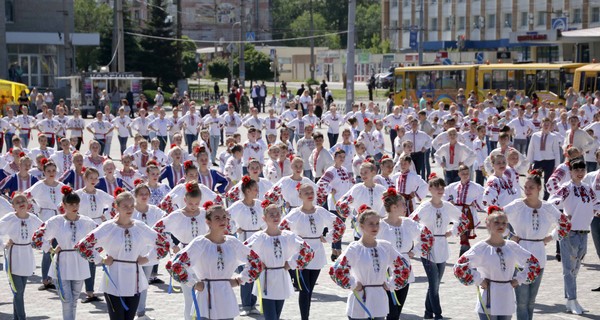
<point x="564" y="226"/>
<point x="463" y="272"/>
<point x="533" y="269"/>
<point x="339" y="227"/>
<point x="233" y="195"/>
<point x="284" y="225"/>
<point x="218" y="200"/>
<point x="254" y="266"/>
<point x="340" y="273"/>
<point x="343" y="206"/>
<point x="38" y="236"/>
<point x="86" y="247"/>
<point x="177" y="267"/>
<point x="401" y="272"/>
<point x="463" y="224"/>
<point x="274" y="195"/>
<point x="427" y="239"/>
<point x="167" y="205"/>
<point x="305" y="256"/>
<point x="162" y="246"/>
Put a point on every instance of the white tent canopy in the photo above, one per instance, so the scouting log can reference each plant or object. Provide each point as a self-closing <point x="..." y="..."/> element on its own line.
<point x="581" y="35"/>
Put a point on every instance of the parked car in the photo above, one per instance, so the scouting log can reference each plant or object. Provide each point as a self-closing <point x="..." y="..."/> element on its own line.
<point x="384" y="80"/>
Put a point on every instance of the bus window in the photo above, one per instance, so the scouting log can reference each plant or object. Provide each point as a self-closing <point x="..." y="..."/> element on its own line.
<point x="541" y="80"/>
<point x="554" y="82"/>
<point x="411" y="81"/>
<point x="460" y="78"/>
<point x="424" y="80"/>
<point x="517" y="80"/>
<point x="487" y="81"/>
<point x="499" y="79"/>
<point x="399" y="83"/>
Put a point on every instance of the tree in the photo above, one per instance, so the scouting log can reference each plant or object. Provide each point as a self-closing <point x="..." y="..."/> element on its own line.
<point x="301" y="28"/>
<point x="368" y="27"/>
<point x="188" y="62"/>
<point x="219" y="68"/>
<point x="159" y="59"/>
<point x="257" y="65"/>
<point x="90" y="16"/>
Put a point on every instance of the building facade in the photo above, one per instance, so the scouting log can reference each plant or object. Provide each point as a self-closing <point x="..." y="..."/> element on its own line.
<point x="34" y="43"/>
<point x="523" y="27"/>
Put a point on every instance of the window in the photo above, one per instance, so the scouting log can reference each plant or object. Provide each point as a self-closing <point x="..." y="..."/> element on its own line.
<point x="461" y="23"/>
<point x="405" y="3"/>
<point x="476" y="22"/>
<point x="541" y="20"/>
<point x="406" y="25"/>
<point x="434" y="24"/>
<point x="576" y="15"/>
<point x="499" y="78"/>
<point x="524" y="19"/>
<point x="491" y="21"/>
<point x="508" y="20"/>
<point x="448" y="24"/>
<point x="433" y="1"/>
<point x="595" y="15"/>
<point x="9" y="11"/>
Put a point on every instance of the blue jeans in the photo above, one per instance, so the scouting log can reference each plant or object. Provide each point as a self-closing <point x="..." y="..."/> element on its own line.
<point x="214" y="145"/>
<point x="333" y="138"/>
<point x="520" y="145"/>
<point x="107" y="144"/>
<point x="141" y="309"/>
<point x="46" y="261"/>
<point x="189" y="139"/>
<point x="8" y="138"/>
<point x="18" y="301"/>
<point x="102" y="143"/>
<point x="526" y="294"/>
<point x="483" y="316"/>
<point x="71" y="290"/>
<point x="572" y="249"/>
<point x="24" y="140"/>
<point x="272" y="309"/>
<point x="435" y="272"/>
<point x="308" y="174"/>
<point x="89" y="282"/>
<point x="596" y="234"/>
<point x="162" y="142"/>
<point x="248" y="300"/>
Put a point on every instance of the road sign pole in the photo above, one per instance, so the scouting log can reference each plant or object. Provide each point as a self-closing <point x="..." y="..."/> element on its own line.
<point x="350" y="55"/>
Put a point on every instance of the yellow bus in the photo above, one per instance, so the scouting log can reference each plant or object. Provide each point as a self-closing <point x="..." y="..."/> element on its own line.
<point x="587" y="78"/>
<point x="548" y="80"/>
<point x="436" y="82"/>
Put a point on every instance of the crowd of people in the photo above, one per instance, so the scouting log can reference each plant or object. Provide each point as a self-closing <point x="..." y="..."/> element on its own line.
<point x="258" y="213"/>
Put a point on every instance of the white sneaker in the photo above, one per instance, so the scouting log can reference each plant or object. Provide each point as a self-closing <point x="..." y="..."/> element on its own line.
<point x="570" y="306"/>
<point x="254" y="311"/>
<point x="245" y="313"/>
<point x="580" y="307"/>
<point x="144" y="317"/>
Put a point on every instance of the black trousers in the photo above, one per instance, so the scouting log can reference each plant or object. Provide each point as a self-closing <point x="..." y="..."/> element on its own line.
<point x="333" y="138"/>
<point x="395" y="311"/>
<point x="310" y="279"/>
<point x="479" y="178"/>
<point x="451" y="176"/>
<point x="547" y="166"/>
<point x="393" y="135"/>
<point x="116" y="310"/>
<point x="418" y="159"/>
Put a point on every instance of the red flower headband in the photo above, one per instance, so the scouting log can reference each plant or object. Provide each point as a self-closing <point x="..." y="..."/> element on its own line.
<point x="396" y="127"/>
<point x="152" y="162"/>
<point x="368" y="160"/>
<point x="21" y="154"/>
<point x="391" y="192"/>
<point x="433" y="175"/>
<point x="246" y="180"/>
<point x="189" y="187"/>
<point x="535" y="172"/>
<point x="385" y="156"/>
<point x="363" y="208"/>
<point x="83" y="169"/>
<point x="208" y="204"/>
<point x="118" y="191"/>
<point x="492" y="209"/>
<point x="173" y="145"/>
<point x="44" y="161"/>
<point x="366" y="120"/>
<point x="265" y="203"/>
<point x="66" y="190"/>
<point x="188" y="164"/>
<point x="137" y="181"/>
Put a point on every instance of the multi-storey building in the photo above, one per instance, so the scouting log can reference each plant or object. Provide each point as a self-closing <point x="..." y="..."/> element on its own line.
<point x="524" y="27"/>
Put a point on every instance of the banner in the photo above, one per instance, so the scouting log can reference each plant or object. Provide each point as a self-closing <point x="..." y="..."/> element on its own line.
<point x="413" y="40"/>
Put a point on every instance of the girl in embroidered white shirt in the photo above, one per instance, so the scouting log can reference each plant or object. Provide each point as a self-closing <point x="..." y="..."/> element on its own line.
<point x="499" y="190"/>
<point x="490" y="264"/>
<point x="157" y="190"/>
<point x="436" y="215"/>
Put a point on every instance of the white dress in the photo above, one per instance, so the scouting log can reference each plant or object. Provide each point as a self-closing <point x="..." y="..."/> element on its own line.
<point x="309" y="226"/>
<point x="402" y="238"/>
<point x="370" y="267"/>
<point x="20" y="231"/>
<point x="150" y="217"/>
<point x="66" y="233"/>
<point x="46" y="199"/>
<point x="437" y="221"/>
<point x="497" y="264"/>
<point x="248" y="219"/>
<point x="234" y="194"/>
<point x="533" y="225"/>
<point x="95" y="206"/>
<point x="124" y="245"/>
<point x="338" y="179"/>
<point x="182" y="227"/>
<point x="215" y="264"/>
<point x="274" y="252"/>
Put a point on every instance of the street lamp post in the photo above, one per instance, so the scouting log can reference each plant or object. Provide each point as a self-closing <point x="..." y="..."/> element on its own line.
<point x="231" y="56"/>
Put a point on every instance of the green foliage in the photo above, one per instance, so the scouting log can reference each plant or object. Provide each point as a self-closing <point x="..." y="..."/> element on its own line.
<point x="159" y="59"/>
<point x="90" y="17"/>
<point x="300" y="27"/>
<point x="257" y="64"/>
<point x="368" y="26"/>
<point x="219" y="68"/>
<point x="312" y="82"/>
<point x="188" y="63"/>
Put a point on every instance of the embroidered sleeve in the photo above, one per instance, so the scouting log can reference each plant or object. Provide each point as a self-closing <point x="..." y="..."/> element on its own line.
<point x="427" y="239"/>
<point x="324" y="187"/>
<point x="304" y="257"/>
<point x="162" y="246"/>
<point x="167" y="204"/>
<point x="554" y="181"/>
<point x="218" y="200"/>
<point x="564" y="226"/>
<point x="343" y="205"/>
<point x="253" y="267"/>
<point x="464" y="272"/>
<point x="490" y="194"/>
<point x="340" y="273"/>
<point x="532" y="270"/>
<point x="463" y="224"/>
<point x="233" y="194"/>
<point x="559" y="197"/>
<point x="284" y="225"/>
<point x="37" y="240"/>
<point x="400" y="273"/>
<point x="274" y="195"/>
<point x="178" y="267"/>
<point x="339" y="227"/>
<point x="86" y="247"/>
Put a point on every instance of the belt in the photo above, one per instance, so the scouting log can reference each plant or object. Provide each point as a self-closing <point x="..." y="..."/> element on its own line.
<point x="266" y="276"/>
<point x="28" y="130"/>
<point x="439" y="235"/>
<point x="310" y="238"/>
<point x="22" y="244"/>
<point x="581" y="231"/>
<point x="246" y="232"/>
<point x="58" y="276"/>
<point x="489" y="291"/>
<point x="208" y="281"/>
<point x="364" y="297"/>
<point x="137" y="272"/>
<point x="532" y="240"/>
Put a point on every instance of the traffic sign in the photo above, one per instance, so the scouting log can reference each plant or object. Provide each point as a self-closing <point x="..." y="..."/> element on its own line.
<point x="559" y="23"/>
<point x="479" y="57"/>
<point x="273" y="53"/>
<point x="447" y="62"/>
<point x="250" y="36"/>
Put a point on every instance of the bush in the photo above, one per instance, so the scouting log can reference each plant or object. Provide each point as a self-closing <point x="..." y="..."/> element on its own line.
<point x="311" y="82"/>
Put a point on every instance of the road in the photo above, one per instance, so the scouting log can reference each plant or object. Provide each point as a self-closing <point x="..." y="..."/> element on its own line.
<point x="329" y="301"/>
